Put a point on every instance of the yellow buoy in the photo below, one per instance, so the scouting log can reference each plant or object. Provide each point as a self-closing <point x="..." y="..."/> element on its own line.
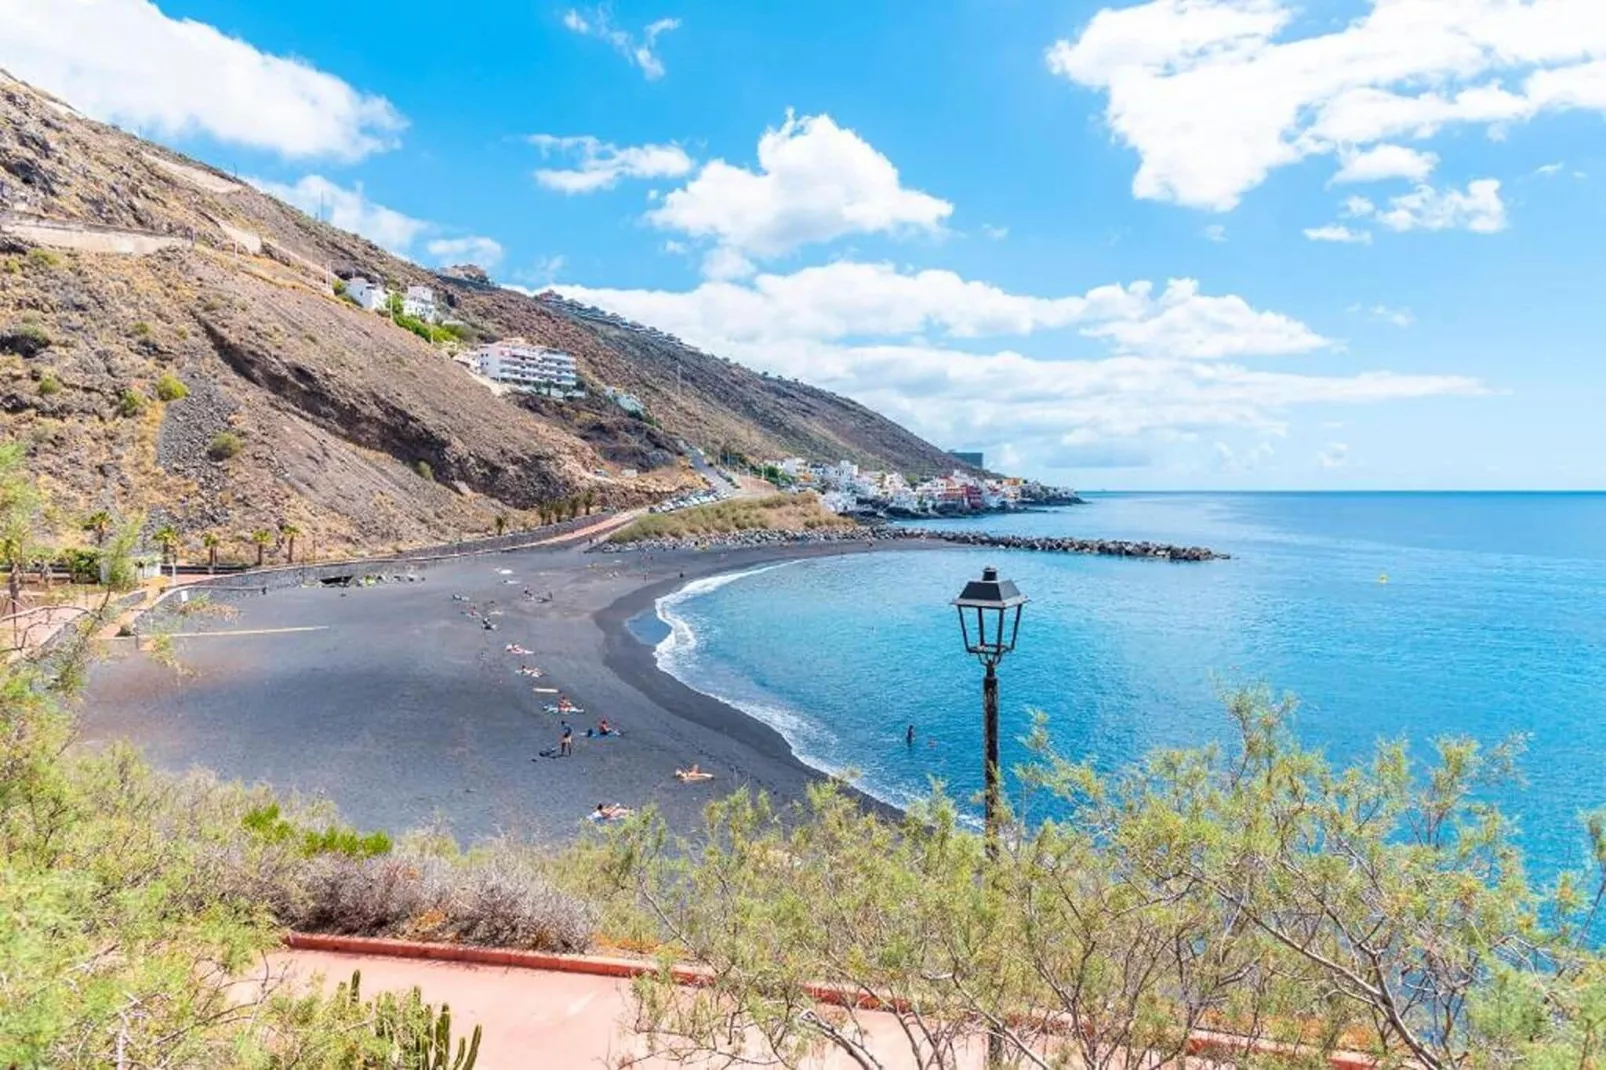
<point x="1384" y="578"/>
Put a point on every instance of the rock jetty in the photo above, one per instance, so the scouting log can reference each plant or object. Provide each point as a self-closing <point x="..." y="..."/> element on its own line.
<point x="1067" y="545"/>
<point x="742" y="540"/>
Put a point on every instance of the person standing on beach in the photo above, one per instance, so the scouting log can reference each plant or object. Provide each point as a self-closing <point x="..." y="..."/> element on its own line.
<point x="566" y="741"/>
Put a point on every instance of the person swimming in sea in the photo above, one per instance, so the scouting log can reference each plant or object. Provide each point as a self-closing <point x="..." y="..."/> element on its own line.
<point x="909" y="736"/>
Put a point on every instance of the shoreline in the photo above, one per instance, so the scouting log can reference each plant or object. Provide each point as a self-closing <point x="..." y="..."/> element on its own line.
<point x="397" y="705"/>
<point x="636" y="661"/>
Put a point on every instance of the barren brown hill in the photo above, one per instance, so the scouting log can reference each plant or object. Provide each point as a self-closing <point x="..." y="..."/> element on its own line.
<point x="130" y="275"/>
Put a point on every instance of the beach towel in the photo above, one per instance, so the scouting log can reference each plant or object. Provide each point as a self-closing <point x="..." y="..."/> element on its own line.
<point x="612" y="733"/>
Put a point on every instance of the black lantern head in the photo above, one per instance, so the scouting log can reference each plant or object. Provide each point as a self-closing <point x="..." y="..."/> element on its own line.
<point x="989" y="616"/>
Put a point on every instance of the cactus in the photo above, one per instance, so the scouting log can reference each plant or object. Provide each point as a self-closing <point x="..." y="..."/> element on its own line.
<point x="415" y="1034"/>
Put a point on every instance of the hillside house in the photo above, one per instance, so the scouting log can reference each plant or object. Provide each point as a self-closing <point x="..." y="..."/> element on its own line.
<point x="419" y="303"/>
<point x="370" y="295"/>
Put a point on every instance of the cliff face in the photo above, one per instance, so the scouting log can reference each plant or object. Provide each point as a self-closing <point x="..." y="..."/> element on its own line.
<point x="126" y="269"/>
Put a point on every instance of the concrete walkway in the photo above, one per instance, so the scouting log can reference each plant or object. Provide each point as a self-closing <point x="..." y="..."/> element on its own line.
<point x="532" y="1018"/>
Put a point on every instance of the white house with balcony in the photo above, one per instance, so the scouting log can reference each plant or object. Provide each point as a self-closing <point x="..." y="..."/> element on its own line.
<point x="370" y="295"/>
<point x="419" y="303"/>
<point x="534" y="369"/>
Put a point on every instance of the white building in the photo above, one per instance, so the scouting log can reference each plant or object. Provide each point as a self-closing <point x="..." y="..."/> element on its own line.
<point x="369" y="295"/>
<point x="419" y="303"/>
<point x="628" y="402"/>
<point x="523" y="366"/>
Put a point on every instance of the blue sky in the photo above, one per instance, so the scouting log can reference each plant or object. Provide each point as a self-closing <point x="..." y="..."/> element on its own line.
<point x="1175" y="243"/>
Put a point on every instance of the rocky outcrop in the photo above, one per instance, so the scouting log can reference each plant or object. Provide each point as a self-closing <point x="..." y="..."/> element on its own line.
<point x="887" y="534"/>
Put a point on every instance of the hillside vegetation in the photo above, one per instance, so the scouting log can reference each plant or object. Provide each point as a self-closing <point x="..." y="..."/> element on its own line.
<point x="776" y="512"/>
<point x="219" y="384"/>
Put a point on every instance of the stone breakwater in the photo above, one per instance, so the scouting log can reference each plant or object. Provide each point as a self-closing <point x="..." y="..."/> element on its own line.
<point x="743" y="540"/>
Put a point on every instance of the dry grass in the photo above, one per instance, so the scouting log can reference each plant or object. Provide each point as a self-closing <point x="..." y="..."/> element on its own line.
<point x="777" y="512"/>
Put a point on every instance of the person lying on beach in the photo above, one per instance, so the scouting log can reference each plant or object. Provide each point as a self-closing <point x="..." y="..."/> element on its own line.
<point x="530" y="670"/>
<point x="692" y="774"/>
<point x="514" y="648"/>
<point x="611" y="812"/>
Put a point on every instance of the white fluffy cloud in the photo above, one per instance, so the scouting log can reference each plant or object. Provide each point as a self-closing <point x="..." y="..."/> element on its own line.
<point x="816" y="181"/>
<point x="1173" y="368"/>
<point x="126" y="62"/>
<point x="1385" y="162"/>
<point x="1478" y="209"/>
<point x="348" y="209"/>
<point x="851" y="300"/>
<point x="1337" y="232"/>
<point x="598" y="22"/>
<point x="600" y="165"/>
<point x="1215" y="94"/>
<point x="477" y="249"/>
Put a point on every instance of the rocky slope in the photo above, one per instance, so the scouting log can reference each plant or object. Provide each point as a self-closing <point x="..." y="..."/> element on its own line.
<point x="301" y="408"/>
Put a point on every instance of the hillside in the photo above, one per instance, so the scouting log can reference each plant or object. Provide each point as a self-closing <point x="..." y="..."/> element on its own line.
<point x="126" y="269"/>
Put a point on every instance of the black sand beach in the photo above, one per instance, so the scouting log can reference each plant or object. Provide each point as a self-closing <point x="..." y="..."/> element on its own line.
<point x="395" y="704"/>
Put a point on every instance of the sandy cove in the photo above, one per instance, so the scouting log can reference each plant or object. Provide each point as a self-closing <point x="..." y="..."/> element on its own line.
<point x="404" y="710"/>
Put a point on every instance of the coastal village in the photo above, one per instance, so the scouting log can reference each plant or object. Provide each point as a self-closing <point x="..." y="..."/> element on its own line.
<point x="847" y="489"/>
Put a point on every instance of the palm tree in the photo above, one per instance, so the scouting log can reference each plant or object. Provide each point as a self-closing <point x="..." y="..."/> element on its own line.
<point x="501" y="523"/>
<point x="589" y="499"/>
<point x="261" y="538"/>
<point x="288" y="532"/>
<point x="167" y="537"/>
<point x="99" y="522"/>
<point x="211" y="541"/>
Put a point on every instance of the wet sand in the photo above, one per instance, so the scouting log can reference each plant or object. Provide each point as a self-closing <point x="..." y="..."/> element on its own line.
<point x="404" y="711"/>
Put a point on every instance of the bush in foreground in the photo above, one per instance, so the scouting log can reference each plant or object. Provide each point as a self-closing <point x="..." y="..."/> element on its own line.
<point x="1256" y="891"/>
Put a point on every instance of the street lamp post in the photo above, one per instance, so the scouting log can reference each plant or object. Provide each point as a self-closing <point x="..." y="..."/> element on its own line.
<point x="989" y="620"/>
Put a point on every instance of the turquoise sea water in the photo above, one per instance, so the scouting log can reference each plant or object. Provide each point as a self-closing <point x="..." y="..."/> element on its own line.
<point x="1492" y="622"/>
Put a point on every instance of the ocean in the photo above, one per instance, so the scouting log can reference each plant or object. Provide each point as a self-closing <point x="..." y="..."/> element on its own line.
<point x="1389" y="615"/>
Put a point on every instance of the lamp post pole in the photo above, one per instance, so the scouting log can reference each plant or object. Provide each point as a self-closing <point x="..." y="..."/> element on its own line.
<point x="990" y="800"/>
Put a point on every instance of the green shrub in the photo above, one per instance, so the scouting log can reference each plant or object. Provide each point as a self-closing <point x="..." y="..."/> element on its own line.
<point x="43" y="258"/>
<point x="141" y="329"/>
<point x="25" y="339"/>
<point x="132" y="403"/>
<point x="170" y="388"/>
<point x="267" y="823"/>
<point x="428" y="332"/>
<point x="49" y="385"/>
<point x="340" y="287"/>
<point x="82" y="565"/>
<point x="224" y="445"/>
<point x="425" y="470"/>
<point x="10" y="266"/>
